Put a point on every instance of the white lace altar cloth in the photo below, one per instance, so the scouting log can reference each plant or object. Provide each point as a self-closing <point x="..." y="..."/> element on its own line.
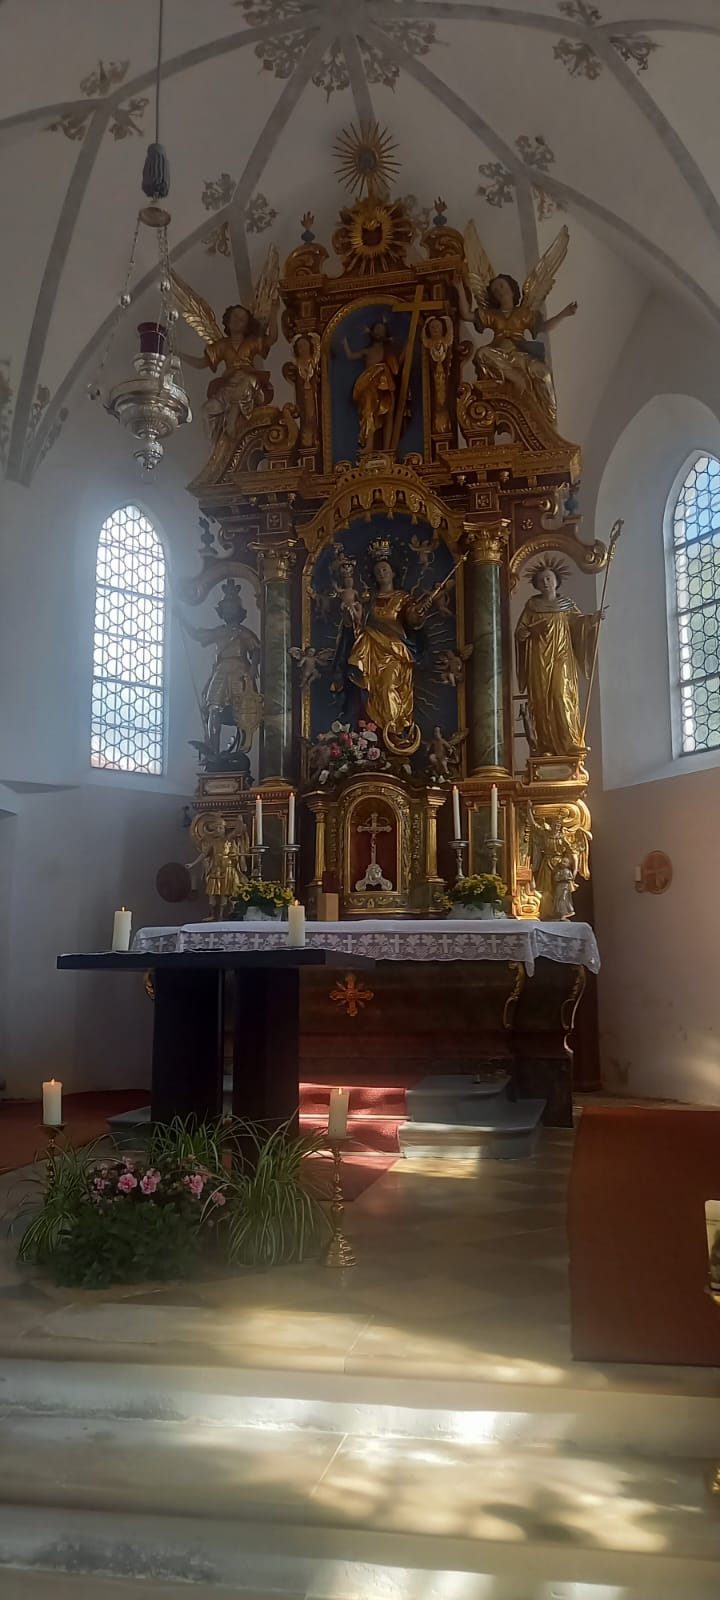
<point x="413" y="940"/>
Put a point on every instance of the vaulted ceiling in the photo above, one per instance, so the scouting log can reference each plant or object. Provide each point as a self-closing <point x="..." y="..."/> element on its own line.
<point x="522" y="114"/>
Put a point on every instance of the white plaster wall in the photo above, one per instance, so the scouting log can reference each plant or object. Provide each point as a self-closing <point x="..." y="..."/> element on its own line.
<point x="659" y="1000"/>
<point x="75" y="843"/>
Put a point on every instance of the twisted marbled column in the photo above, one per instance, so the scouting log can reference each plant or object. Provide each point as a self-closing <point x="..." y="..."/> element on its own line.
<point x="276" y="736"/>
<point x="489" y="747"/>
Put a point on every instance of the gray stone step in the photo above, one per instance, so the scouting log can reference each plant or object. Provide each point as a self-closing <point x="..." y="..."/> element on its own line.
<point x="509" y="1130"/>
<point x="457" y="1097"/>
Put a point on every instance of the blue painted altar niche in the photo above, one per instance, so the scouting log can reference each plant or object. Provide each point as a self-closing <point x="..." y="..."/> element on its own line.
<point x="420" y="561"/>
<point x="341" y="422"/>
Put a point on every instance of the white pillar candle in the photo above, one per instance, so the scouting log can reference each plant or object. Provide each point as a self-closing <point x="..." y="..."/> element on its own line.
<point x="122" y="925"/>
<point x="296" y="926"/>
<point x="291" y="819"/>
<point x="338" y="1115"/>
<point x="456" y="813"/>
<point x="52" y="1104"/>
<point x="493" y="812"/>
<point x="258" y="821"/>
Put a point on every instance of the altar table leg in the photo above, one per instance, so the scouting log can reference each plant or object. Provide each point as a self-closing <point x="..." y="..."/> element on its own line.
<point x="187" y="1066"/>
<point x="266" y="1070"/>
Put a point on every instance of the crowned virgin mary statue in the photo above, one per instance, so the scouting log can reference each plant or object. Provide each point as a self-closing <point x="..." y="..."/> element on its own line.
<point x="378" y="654"/>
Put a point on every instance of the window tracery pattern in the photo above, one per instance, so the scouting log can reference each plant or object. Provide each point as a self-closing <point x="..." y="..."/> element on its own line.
<point x="696" y="561"/>
<point x="128" y="699"/>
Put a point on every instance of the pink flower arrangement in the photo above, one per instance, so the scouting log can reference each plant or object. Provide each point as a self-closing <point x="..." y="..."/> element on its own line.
<point x="196" y="1184"/>
<point x="151" y="1181"/>
<point x="127" y="1182"/>
<point x="347" y="749"/>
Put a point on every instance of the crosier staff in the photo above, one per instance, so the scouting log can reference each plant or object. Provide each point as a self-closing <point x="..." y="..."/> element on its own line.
<point x="615" y="533"/>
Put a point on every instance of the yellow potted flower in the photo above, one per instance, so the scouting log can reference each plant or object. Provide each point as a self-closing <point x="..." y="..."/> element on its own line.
<point x="480" y="896"/>
<point x="260" y="901"/>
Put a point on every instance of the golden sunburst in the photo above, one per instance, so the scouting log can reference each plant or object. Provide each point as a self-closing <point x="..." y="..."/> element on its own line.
<point x="366" y="163"/>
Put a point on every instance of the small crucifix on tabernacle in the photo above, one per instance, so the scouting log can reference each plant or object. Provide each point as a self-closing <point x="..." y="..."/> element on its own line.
<point x="373" y="875"/>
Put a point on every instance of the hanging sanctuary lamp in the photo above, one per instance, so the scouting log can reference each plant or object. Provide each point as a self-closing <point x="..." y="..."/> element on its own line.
<point x="151" y="403"/>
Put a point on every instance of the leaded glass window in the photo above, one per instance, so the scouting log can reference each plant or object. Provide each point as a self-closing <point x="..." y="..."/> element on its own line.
<point x="696" y="557"/>
<point x="128" y="710"/>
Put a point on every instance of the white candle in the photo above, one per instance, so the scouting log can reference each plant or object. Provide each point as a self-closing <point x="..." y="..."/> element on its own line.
<point x="456" y="813"/>
<point x="291" y="819"/>
<point x="638" y="874"/>
<point x="122" y="925"/>
<point x="296" y="926"/>
<point x="258" y="821"/>
<point x="52" y="1104"/>
<point x="338" y="1116"/>
<point x="493" y="812"/>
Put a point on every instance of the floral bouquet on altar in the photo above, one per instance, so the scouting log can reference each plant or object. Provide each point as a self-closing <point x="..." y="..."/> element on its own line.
<point x="260" y="899"/>
<point x="481" y="895"/>
<point x="342" y="750"/>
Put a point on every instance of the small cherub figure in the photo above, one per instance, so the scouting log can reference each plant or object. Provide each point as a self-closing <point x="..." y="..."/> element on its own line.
<point x="310" y="661"/>
<point x="451" y="664"/>
<point x="437" y="338"/>
<point x="424" y="549"/>
<point x="444" y="754"/>
<point x="343" y="571"/>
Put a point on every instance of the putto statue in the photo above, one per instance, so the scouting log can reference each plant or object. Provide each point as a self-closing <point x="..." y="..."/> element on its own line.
<point x="245" y="335"/>
<point x="231" y="697"/>
<point x="510" y="313"/>
<point x="553" y="639"/>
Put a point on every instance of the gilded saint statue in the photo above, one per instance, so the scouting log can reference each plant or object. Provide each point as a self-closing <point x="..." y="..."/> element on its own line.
<point x="304" y="373"/>
<point x="231" y="697"/>
<point x="379" y="647"/>
<point x="437" y="338"/>
<point x="375" y="391"/>
<point x="222" y="854"/>
<point x="246" y="335"/>
<point x="510" y="313"/>
<point x="560" y="852"/>
<point x="554" y="641"/>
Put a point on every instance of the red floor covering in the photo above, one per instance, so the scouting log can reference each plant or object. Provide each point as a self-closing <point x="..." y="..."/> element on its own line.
<point x="638" y="1252"/>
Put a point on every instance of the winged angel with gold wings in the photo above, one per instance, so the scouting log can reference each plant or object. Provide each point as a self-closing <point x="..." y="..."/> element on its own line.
<point x="510" y="313"/>
<point x="245" y="334"/>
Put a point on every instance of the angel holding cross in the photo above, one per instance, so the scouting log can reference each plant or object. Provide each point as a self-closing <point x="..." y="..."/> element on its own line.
<point x="510" y="313"/>
<point x="246" y="333"/>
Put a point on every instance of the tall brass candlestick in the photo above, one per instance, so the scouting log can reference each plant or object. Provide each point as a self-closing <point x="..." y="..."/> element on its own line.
<point x="339" y="1252"/>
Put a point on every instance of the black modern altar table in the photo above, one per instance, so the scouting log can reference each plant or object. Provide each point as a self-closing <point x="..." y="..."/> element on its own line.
<point x="188" y="1051"/>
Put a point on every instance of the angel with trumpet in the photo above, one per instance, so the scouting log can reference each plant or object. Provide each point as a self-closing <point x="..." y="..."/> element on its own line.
<point x="246" y="334"/>
<point x="510" y="313"/>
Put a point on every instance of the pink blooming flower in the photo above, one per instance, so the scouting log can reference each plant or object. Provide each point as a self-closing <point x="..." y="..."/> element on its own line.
<point x="99" y="1183"/>
<point x="150" y="1182"/>
<point x="127" y="1183"/>
<point x="196" y="1184"/>
<point x="373" y="754"/>
<point x="218" y="1198"/>
<point x="129" y="1165"/>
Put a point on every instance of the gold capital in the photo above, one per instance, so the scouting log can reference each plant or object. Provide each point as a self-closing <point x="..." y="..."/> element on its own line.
<point x="488" y="540"/>
<point x="275" y="561"/>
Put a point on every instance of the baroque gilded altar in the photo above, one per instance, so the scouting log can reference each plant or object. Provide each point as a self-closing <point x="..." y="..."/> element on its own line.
<point x="387" y="515"/>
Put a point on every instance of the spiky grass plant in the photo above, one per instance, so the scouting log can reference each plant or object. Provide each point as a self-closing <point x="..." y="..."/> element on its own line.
<point x="274" y="1214"/>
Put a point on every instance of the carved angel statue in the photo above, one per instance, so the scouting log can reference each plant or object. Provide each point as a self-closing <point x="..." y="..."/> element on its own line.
<point x="231" y="697"/>
<point x="424" y="549"/>
<point x="246" y="333"/>
<point x="310" y="661"/>
<point x="304" y="372"/>
<point x="510" y="313"/>
<point x="444" y="754"/>
<point x="560" y="850"/>
<point x="451" y="664"/>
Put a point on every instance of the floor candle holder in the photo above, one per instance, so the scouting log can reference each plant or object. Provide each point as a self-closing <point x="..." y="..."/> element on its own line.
<point x="339" y="1252"/>
<point x="459" y="846"/>
<point x="51" y="1129"/>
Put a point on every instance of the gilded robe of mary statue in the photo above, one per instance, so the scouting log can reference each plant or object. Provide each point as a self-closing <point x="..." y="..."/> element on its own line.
<point x="553" y="641"/>
<point x="378" y="657"/>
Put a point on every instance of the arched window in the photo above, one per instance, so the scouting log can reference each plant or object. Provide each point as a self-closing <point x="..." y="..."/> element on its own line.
<point x="695" y="552"/>
<point x="128" y="698"/>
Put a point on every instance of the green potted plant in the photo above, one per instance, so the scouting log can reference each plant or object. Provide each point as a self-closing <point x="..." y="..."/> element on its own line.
<point x="259" y="901"/>
<point x="481" y="895"/>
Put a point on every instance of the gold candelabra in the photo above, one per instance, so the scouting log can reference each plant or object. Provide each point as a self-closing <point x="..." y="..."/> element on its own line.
<point x="339" y="1252"/>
